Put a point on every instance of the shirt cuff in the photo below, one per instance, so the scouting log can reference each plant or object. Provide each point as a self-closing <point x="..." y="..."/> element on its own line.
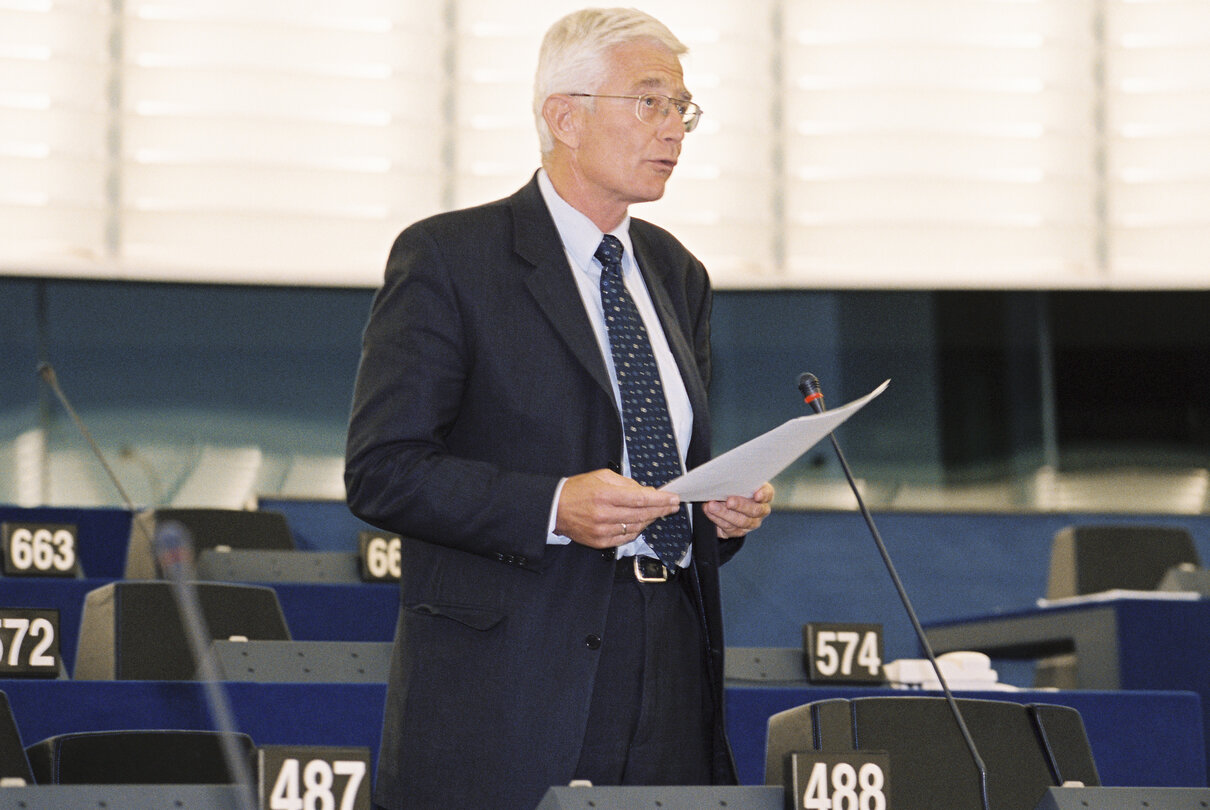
<point x="553" y="539"/>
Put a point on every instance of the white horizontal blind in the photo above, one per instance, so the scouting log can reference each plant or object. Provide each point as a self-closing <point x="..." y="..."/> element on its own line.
<point x="914" y="143"/>
<point x="229" y="140"/>
<point x="942" y="139"/>
<point x="494" y="143"/>
<point x="54" y="72"/>
<point x="268" y="139"/>
<point x="1158" y="141"/>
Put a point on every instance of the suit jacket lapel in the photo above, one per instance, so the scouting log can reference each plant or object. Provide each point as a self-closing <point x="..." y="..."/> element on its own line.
<point x="551" y="283"/>
<point x="675" y="332"/>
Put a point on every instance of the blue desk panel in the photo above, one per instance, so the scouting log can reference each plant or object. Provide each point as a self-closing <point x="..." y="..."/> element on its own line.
<point x="359" y="612"/>
<point x="1137" y="738"/>
<point x="104" y="531"/>
<point x="314" y="612"/>
<point x="63" y="595"/>
<point x="279" y="713"/>
<point x="102" y="534"/>
<point x="1126" y="643"/>
<point x="1120" y="643"/>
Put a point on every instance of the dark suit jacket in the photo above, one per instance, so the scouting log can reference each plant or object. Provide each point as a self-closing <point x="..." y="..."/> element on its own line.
<point x="481" y="385"/>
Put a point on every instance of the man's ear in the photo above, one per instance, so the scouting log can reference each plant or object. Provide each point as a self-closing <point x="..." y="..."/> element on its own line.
<point x="563" y="116"/>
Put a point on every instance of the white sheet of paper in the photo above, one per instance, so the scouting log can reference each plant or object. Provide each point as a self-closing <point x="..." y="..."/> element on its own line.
<point x="741" y="470"/>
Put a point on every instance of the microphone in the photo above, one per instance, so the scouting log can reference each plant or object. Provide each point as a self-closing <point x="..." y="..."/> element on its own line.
<point x="808" y="386"/>
<point x="173" y="547"/>
<point x="174" y="551"/>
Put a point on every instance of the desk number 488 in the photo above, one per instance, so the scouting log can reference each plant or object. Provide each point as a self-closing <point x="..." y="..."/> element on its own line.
<point x="844" y="787"/>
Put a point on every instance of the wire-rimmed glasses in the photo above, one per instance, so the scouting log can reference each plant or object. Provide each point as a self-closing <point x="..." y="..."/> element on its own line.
<point x="653" y="108"/>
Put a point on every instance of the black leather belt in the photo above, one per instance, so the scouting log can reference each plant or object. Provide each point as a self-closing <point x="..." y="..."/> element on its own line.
<point x="644" y="569"/>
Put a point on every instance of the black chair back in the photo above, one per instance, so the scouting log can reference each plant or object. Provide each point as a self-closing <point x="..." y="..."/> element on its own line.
<point x="1091" y="559"/>
<point x="154" y="757"/>
<point x="134" y="631"/>
<point x="207" y="528"/>
<point x="1025" y="748"/>
<point x="13" y="762"/>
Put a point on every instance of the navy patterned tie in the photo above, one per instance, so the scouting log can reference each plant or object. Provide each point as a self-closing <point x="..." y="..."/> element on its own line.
<point x="650" y="443"/>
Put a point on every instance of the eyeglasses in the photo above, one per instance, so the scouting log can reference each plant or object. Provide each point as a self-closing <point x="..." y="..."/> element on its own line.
<point x="653" y="108"/>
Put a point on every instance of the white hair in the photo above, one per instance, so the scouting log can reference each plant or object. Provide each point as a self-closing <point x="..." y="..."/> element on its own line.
<point x="572" y="58"/>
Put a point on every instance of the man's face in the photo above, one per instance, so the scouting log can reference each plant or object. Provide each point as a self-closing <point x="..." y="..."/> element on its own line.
<point x="622" y="160"/>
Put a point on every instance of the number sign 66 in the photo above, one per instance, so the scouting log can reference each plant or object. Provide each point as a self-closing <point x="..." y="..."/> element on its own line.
<point x="380" y="556"/>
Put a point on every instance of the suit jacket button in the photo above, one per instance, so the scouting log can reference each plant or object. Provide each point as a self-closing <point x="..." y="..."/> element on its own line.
<point x="616" y="466"/>
<point x="593" y="642"/>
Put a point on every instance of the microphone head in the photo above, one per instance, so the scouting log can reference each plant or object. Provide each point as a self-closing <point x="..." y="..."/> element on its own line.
<point x="808" y="385"/>
<point x="172" y="545"/>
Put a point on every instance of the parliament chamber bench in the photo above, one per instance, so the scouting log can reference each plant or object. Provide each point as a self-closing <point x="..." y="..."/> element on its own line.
<point x="1137" y="737"/>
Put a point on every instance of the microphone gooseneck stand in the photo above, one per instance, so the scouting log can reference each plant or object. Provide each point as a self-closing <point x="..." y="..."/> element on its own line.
<point x="808" y="385"/>
<point x="173" y="549"/>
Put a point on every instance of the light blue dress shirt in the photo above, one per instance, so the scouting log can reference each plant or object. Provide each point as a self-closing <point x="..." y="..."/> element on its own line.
<point x="581" y="237"/>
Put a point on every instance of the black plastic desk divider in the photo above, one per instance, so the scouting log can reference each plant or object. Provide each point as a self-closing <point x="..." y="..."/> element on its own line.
<point x="137" y="756"/>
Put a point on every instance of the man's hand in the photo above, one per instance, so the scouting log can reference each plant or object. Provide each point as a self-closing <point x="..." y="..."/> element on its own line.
<point x="602" y="509"/>
<point x="737" y="516"/>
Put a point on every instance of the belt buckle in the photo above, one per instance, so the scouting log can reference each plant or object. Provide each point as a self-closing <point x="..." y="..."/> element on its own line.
<point x="642" y="576"/>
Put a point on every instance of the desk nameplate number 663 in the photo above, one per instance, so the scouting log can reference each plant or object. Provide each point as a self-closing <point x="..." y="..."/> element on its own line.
<point x="39" y="550"/>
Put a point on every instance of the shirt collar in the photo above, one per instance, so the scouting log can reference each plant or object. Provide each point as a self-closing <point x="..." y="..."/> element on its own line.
<point x="581" y="237"/>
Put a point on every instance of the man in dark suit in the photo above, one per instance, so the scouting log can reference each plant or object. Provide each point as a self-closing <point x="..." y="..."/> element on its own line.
<point x="540" y="637"/>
